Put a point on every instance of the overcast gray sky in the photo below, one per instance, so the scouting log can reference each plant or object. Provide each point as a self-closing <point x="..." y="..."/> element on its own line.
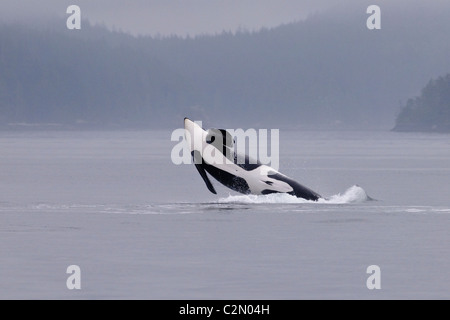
<point x="182" y="17"/>
<point x="171" y="16"/>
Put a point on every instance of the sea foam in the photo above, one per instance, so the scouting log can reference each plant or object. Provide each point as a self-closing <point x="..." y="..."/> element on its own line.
<point x="354" y="194"/>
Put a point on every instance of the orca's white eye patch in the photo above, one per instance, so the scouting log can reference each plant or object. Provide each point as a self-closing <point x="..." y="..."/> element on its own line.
<point x="214" y="136"/>
<point x="220" y="137"/>
<point x="210" y="138"/>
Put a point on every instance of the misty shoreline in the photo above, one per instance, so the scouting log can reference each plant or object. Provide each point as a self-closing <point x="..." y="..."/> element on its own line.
<point x="328" y="72"/>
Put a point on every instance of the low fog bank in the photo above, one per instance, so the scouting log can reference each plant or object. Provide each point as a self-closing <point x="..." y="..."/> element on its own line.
<point x="327" y="72"/>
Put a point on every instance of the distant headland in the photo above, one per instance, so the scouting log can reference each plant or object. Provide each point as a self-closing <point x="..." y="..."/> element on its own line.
<point x="429" y="112"/>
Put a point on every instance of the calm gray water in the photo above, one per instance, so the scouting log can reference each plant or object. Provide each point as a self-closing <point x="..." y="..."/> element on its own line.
<point x="141" y="227"/>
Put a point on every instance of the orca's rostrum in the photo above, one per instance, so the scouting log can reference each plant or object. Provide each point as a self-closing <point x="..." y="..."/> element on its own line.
<point x="233" y="170"/>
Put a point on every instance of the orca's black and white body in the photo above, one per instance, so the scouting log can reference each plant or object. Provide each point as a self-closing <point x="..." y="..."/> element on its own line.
<point x="236" y="171"/>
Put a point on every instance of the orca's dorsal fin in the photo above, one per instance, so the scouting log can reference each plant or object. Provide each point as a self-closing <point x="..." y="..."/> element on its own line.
<point x="202" y="172"/>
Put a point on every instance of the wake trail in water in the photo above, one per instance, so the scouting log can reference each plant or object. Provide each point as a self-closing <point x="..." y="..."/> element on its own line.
<point x="354" y="194"/>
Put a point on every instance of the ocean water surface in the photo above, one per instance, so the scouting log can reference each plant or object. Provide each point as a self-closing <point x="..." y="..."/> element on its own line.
<point x="140" y="227"/>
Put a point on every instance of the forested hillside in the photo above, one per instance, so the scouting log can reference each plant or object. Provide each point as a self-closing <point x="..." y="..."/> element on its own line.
<point x="429" y="112"/>
<point x="329" y="71"/>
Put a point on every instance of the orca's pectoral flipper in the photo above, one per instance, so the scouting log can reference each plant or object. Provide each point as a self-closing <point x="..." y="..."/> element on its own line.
<point x="197" y="158"/>
<point x="202" y="172"/>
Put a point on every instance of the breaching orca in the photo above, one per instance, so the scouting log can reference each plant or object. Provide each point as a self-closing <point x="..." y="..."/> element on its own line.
<point x="236" y="171"/>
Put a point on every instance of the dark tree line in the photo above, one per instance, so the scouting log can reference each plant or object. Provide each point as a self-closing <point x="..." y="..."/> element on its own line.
<point x="329" y="71"/>
<point x="430" y="111"/>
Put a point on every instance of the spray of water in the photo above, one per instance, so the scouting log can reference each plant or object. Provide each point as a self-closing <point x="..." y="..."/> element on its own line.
<point x="354" y="194"/>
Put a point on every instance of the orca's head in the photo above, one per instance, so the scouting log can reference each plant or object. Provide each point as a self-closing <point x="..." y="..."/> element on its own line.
<point x="195" y="135"/>
<point x="199" y="139"/>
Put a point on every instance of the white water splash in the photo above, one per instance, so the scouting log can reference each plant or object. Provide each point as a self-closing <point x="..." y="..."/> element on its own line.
<point x="354" y="194"/>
